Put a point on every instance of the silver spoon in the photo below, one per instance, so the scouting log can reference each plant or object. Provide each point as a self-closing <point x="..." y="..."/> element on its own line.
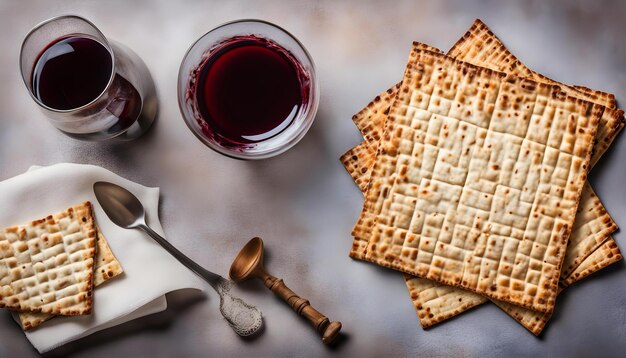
<point x="126" y="211"/>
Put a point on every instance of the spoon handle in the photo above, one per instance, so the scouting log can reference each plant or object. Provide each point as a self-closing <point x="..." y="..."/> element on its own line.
<point x="207" y="275"/>
<point x="328" y="330"/>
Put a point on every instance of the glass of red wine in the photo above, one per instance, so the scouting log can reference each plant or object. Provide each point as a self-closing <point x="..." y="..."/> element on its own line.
<point x="90" y="87"/>
<point x="248" y="89"/>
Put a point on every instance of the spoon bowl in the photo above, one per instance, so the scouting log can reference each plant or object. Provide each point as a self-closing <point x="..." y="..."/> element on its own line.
<point x="248" y="262"/>
<point x="120" y="205"/>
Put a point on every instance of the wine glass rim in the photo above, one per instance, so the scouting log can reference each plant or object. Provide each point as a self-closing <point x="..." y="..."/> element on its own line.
<point x="106" y="45"/>
<point x="251" y="20"/>
<point x="270" y="153"/>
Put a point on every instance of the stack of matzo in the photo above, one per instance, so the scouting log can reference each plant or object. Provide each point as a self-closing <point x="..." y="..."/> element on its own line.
<point x="49" y="266"/>
<point x="473" y="169"/>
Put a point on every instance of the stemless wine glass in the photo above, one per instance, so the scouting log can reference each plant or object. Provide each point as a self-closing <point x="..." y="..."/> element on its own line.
<point x="211" y="45"/>
<point x="125" y="108"/>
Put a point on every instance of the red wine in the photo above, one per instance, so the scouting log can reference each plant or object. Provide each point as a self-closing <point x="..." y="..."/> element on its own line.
<point x="249" y="90"/>
<point x="71" y="72"/>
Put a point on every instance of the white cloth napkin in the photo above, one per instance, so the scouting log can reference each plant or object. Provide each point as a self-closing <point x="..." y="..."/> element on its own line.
<point x="149" y="271"/>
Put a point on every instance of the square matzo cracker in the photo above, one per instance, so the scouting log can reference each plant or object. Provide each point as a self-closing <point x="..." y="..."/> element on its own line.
<point x="486" y="180"/>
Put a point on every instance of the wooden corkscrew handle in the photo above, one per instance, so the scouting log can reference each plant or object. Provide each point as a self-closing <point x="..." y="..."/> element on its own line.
<point x="329" y="330"/>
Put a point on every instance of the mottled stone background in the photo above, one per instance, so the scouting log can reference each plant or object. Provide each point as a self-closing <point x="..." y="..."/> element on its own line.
<point x="303" y="203"/>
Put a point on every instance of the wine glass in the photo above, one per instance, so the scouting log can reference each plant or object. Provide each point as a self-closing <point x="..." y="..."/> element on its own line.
<point x="124" y="107"/>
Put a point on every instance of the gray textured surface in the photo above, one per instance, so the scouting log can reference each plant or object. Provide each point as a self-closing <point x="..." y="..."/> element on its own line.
<point x="303" y="203"/>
